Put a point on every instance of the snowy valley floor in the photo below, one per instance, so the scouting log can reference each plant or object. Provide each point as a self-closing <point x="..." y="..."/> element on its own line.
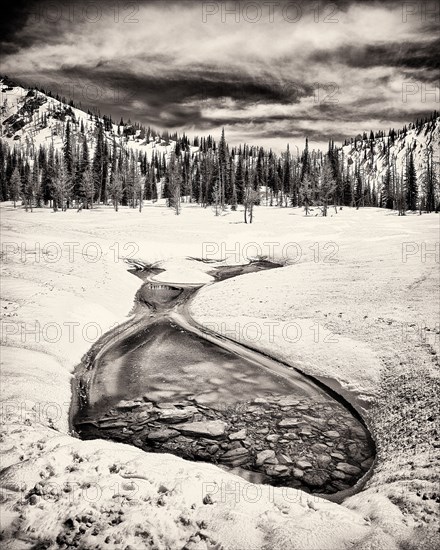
<point x="357" y="306"/>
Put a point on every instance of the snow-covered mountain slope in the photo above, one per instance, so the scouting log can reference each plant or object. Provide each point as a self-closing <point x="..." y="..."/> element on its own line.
<point x="373" y="156"/>
<point x="30" y="118"/>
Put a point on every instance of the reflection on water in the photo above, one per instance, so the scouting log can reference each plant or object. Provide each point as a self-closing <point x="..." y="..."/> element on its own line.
<point x="169" y="363"/>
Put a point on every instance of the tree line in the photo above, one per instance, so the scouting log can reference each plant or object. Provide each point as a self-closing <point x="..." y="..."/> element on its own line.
<point x="207" y="172"/>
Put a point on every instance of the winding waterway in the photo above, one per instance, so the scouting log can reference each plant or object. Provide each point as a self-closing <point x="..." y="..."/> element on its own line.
<point x="164" y="384"/>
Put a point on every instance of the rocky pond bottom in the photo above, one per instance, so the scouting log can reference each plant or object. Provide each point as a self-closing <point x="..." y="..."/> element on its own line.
<point x="164" y="388"/>
<point x="287" y="441"/>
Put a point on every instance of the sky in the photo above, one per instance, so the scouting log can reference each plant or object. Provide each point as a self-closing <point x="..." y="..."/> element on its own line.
<point x="269" y="72"/>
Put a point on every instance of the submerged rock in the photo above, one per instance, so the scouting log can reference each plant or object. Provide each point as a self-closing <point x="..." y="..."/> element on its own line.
<point x="210" y="428"/>
<point x="277" y="471"/>
<point x="238" y="435"/>
<point x="112" y="423"/>
<point x="348" y="468"/>
<point x="332" y="433"/>
<point x="316" y="478"/>
<point x="288" y="401"/>
<point x="288" y="423"/>
<point x="339" y="456"/>
<point x="265" y="456"/>
<point x="303" y="464"/>
<point x="337" y="474"/>
<point x="235" y="457"/>
<point x="176" y="415"/>
<point x="127" y="405"/>
<point x="162" y="435"/>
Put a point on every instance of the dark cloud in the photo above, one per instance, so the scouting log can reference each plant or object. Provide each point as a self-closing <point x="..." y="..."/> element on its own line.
<point x="201" y="83"/>
<point x="419" y="55"/>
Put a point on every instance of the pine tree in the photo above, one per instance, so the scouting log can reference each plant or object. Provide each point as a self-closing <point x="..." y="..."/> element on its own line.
<point x="359" y="188"/>
<point x="305" y="161"/>
<point x="411" y="183"/>
<point x="15" y="186"/>
<point x="239" y="180"/>
<point x="98" y="163"/>
<point x="3" y="180"/>
<point x="130" y="182"/>
<point x="67" y="151"/>
<point x="333" y="157"/>
<point x="62" y="185"/>
<point x="271" y="177"/>
<point x="287" y="179"/>
<point x="138" y="190"/>
<point x="148" y="195"/>
<point x="174" y="183"/>
<point x="82" y="165"/>
<point x="429" y="181"/>
<point x="387" y="197"/>
<point x="222" y="170"/>
<point x="88" y="187"/>
<point x="347" y="197"/>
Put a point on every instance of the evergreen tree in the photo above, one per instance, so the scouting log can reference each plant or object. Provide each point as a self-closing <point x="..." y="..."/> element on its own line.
<point x="3" y="181"/>
<point x="347" y="198"/>
<point x="333" y="158"/>
<point x="174" y="183"/>
<point x="387" y="197"/>
<point x="305" y="161"/>
<point x="239" y="180"/>
<point x="429" y="181"/>
<point x="62" y="185"/>
<point x="15" y="186"/>
<point x="67" y="150"/>
<point x="82" y="165"/>
<point x="287" y="180"/>
<point x="98" y="163"/>
<point x="359" y="188"/>
<point x="222" y="170"/>
<point x="411" y="183"/>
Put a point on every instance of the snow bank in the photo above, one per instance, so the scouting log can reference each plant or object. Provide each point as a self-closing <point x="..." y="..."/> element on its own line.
<point x="59" y="297"/>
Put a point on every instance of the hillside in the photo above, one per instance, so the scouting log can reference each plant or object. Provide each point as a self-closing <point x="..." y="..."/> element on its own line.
<point x="374" y="155"/>
<point x="30" y="118"/>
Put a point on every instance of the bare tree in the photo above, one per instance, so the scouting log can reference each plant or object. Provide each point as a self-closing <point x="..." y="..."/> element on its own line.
<point x="251" y="196"/>
<point x="88" y="186"/>
<point x="306" y="193"/>
<point x="116" y="189"/>
<point x="327" y="186"/>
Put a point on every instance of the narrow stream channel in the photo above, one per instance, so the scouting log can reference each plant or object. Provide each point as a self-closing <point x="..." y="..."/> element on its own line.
<point x="161" y="383"/>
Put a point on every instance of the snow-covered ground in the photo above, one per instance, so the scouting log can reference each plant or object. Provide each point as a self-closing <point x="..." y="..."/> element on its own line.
<point x="348" y="307"/>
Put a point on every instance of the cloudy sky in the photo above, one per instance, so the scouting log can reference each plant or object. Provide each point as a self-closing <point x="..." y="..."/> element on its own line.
<point x="271" y="73"/>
